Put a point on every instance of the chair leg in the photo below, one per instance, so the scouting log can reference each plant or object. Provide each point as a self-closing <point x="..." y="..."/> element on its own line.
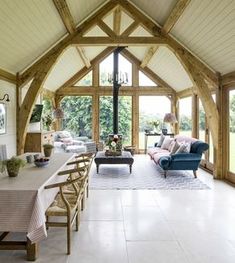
<point x="87" y="191"/>
<point x="68" y="235"/>
<point x="195" y="174"/>
<point x="78" y="218"/>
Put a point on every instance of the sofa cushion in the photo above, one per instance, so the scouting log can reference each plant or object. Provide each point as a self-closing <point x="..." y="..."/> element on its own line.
<point x="183" y="148"/>
<point x="175" y="147"/>
<point x="166" y="143"/>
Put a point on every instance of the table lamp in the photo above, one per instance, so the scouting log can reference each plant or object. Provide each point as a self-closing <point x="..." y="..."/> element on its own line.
<point x="169" y="118"/>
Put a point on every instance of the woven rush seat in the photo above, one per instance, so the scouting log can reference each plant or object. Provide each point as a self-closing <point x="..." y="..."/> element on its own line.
<point x="58" y="207"/>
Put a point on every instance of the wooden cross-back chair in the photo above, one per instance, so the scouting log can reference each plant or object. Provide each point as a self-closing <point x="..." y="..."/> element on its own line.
<point x="83" y="161"/>
<point x="66" y="205"/>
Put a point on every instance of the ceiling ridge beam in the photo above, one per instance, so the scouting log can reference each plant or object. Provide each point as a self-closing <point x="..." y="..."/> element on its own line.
<point x="148" y="56"/>
<point x="29" y="73"/>
<point x="66" y="16"/>
<point x="175" y="14"/>
<point x="7" y="76"/>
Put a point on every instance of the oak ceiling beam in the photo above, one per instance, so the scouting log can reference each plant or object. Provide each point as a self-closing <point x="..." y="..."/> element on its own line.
<point x="68" y="21"/>
<point x="106" y="28"/>
<point x="26" y="108"/>
<point x="153" y="76"/>
<point x="228" y="79"/>
<point x="7" y="76"/>
<point x="117" y="20"/>
<point x="81" y="73"/>
<point x="131" y="28"/>
<point x="29" y="73"/>
<point x="175" y="15"/>
<point x="148" y="56"/>
<point x="176" y="47"/>
<point x="118" y="40"/>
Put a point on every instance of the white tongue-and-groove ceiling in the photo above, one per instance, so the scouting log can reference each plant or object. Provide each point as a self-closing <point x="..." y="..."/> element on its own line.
<point x="29" y="28"/>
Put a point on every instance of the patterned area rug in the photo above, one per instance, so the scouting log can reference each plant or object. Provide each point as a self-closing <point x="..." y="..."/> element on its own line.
<point x="145" y="175"/>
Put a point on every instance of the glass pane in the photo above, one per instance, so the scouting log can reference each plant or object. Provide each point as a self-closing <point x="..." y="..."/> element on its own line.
<point x="47" y="117"/>
<point x="86" y="80"/>
<point x="232" y="131"/>
<point x="202" y="122"/>
<point x="211" y="149"/>
<point x="145" y="81"/>
<point x="106" y="117"/>
<point x="151" y="109"/>
<point x="211" y="146"/>
<point x="125" y="119"/>
<point x="202" y="125"/>
<point x="185" y="116"/>
<point x="106" y="71"/>
<point x="77" y="115"/>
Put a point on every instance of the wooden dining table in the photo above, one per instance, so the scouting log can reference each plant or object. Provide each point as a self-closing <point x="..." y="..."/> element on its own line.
<point x="23" y="202"/>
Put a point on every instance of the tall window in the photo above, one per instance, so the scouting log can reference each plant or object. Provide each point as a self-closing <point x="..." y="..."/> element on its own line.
<point x="145" y="81"/>
<point x="185" y="116"/>
<point x="232" y="131"/>
<point x="77" y="115"/>
<point x="151" y="109"/>
<point x="202" y="122"/>
<point x="106" y="71"/>
<point x="47" y="117"/>
<point x="124" y="121"/>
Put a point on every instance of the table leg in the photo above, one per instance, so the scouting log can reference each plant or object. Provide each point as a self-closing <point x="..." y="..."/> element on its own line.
<point x="32" y="250"/>
<point x="130" y="168"/>
<point x="97" y="168"/>
<point x="145" y="143"/>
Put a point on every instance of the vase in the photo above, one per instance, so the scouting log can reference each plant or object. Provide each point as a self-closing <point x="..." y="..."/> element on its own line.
<point x="12" y="171"/>
<point x="47" y="152"/>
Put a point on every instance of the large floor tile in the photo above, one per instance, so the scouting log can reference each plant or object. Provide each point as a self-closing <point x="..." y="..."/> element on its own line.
<point x="137" y="198"/>
<point x="157" y="251"/>
<point x="100" y="242"/>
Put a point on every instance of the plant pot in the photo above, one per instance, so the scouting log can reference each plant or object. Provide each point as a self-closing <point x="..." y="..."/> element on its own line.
<point x="47" y="152"/>
<point x="12" y="171"/>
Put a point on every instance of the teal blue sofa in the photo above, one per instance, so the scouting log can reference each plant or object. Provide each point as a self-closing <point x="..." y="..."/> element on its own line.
<point x="180" y="161"/>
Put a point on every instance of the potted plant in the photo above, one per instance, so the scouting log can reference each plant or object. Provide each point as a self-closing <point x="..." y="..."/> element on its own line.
<point x="13" y="165"/>
<point x="47" y="148"/>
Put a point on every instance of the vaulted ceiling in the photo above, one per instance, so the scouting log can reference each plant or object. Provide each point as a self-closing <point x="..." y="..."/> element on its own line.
<point x="28" y="29"/>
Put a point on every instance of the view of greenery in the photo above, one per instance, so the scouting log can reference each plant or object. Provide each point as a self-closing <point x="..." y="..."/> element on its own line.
<point x="106" y="117"/>
<point x="47" y="118"/>
<point x="77" y="115"/>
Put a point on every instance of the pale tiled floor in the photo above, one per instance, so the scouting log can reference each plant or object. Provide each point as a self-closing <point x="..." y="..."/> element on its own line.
<point x="148" y="226"/>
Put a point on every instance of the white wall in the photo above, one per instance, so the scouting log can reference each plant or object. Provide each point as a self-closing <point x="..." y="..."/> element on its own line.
<point x="9" y="138"/>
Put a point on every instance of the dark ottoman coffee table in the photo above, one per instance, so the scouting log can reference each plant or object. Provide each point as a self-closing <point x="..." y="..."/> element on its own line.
<point x="125" y="158"/>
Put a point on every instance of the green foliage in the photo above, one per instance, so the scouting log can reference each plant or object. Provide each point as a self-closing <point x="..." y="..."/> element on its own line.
<point x="13" y="163"/>
<point x="106" y="117"/>
<point x="77" y="115"/>
<point x="232" y="113"/>
<point x="47" y="118"/>
<point x="48" y="146"/>
<point x="185" y="123"/>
